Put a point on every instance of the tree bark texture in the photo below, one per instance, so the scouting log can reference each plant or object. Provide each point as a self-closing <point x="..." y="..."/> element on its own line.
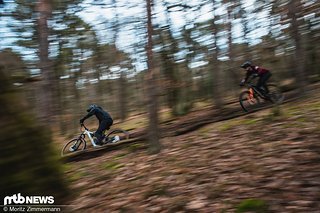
<point x="151" y="84"/>
<point x="45" y="92"/>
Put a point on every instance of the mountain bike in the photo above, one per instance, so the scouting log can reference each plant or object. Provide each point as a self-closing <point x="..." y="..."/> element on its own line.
<point x="253" y="97"/>
<point x="80" y="143"/>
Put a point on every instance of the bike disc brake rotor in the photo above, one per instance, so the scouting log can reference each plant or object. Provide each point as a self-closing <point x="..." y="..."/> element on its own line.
<point x="251" y="99"/>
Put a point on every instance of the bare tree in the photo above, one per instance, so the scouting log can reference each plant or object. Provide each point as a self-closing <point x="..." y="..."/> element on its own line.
<point x="232" y="63"/>
<point x="45" y="92"/>
<point x="154" y="136"/>
<point x="293" y="8"/>
<point x="216" y="75"/>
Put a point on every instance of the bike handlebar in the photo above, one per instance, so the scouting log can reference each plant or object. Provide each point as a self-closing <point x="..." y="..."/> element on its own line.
<point x="249" y="81"/>
<point x="248" y="84"/>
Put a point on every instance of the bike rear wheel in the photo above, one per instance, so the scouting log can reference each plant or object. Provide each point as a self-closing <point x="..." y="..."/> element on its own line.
<point x="248" y="102"/>
<point x="275" y="94"/>
<point x="78" y="145"/>
<point x="123" y="135"/>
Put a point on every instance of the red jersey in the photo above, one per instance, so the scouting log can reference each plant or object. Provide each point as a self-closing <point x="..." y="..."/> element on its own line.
<point x="256" y="70"/>
<point x="259" y="70"/>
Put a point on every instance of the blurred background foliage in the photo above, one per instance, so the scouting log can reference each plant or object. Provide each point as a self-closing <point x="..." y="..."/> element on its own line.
<point x="197" y="59"/>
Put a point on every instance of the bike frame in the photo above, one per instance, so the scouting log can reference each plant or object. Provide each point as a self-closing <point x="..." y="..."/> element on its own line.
<point x="253" y="89"/>
<point x="89" y="134"/>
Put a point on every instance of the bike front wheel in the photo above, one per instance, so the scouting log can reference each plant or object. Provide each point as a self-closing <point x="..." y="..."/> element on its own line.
<point x="75" y="145"/>
<point x="248" y="101"/>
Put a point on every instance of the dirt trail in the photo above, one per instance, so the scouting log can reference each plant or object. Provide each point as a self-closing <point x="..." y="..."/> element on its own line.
<point x="183" y="125"/>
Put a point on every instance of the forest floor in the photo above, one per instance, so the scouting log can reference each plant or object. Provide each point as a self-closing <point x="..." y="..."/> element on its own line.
<point x="257" y="161"/>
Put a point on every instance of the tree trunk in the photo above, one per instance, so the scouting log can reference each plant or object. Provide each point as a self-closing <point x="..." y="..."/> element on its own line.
<point x="171" y="69"/>
<point x="298" y="56"/>
<point x="45" y="92"/>
<point x="155" y="146"/>
<point x="216" y="78"/>
<point x="231" y="65"/>
<point x="246" y="30"/>
<point x="122" y="95"/>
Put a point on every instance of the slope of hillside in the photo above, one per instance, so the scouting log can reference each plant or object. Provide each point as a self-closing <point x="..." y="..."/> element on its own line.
<point x="253" y="162"/>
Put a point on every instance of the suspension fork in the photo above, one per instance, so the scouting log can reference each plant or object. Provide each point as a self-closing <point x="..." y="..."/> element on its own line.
<point x="80" y="140"/>
<point x="82" y="136"/>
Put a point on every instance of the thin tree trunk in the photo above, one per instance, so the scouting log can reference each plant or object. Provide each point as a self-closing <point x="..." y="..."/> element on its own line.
<point x="298" y="56"/>
<point x="245" y="25"/>
<point x="123" y="77"/>
<point x="170" y="69"/>
<point x="45" y="92"/>
<point x="216" y="78"/>
<point x="154" y="136"/>
<point x="231" y="66"/>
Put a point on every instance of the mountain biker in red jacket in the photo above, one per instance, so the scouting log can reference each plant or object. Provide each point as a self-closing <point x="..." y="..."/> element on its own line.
<point x="256" y="71"/>
<point x="105" y="121"/>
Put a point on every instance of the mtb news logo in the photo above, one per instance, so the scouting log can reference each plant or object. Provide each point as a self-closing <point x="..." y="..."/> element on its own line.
<point x="19" y="199"/>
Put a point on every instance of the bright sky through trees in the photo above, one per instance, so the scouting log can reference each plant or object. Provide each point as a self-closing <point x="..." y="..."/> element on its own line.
<point x="100" y="18"/>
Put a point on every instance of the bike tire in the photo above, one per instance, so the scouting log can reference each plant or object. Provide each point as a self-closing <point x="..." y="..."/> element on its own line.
<point x="81" y="146"/>
<point x="248" y="104"/>
<point x="124" y="135"/>
<point x="275" y="94"/>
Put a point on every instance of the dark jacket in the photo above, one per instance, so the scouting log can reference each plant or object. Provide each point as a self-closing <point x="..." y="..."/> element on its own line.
<point x="99" y="113"/>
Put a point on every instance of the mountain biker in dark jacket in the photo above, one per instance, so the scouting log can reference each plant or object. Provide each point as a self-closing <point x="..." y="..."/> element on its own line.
<point x="256" y="71"/>
<point x="105" y="121"/>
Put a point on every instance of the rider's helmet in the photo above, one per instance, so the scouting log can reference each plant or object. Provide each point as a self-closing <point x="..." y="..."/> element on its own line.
<point x="246" y="64"/>
<point x="91" y="106"/>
